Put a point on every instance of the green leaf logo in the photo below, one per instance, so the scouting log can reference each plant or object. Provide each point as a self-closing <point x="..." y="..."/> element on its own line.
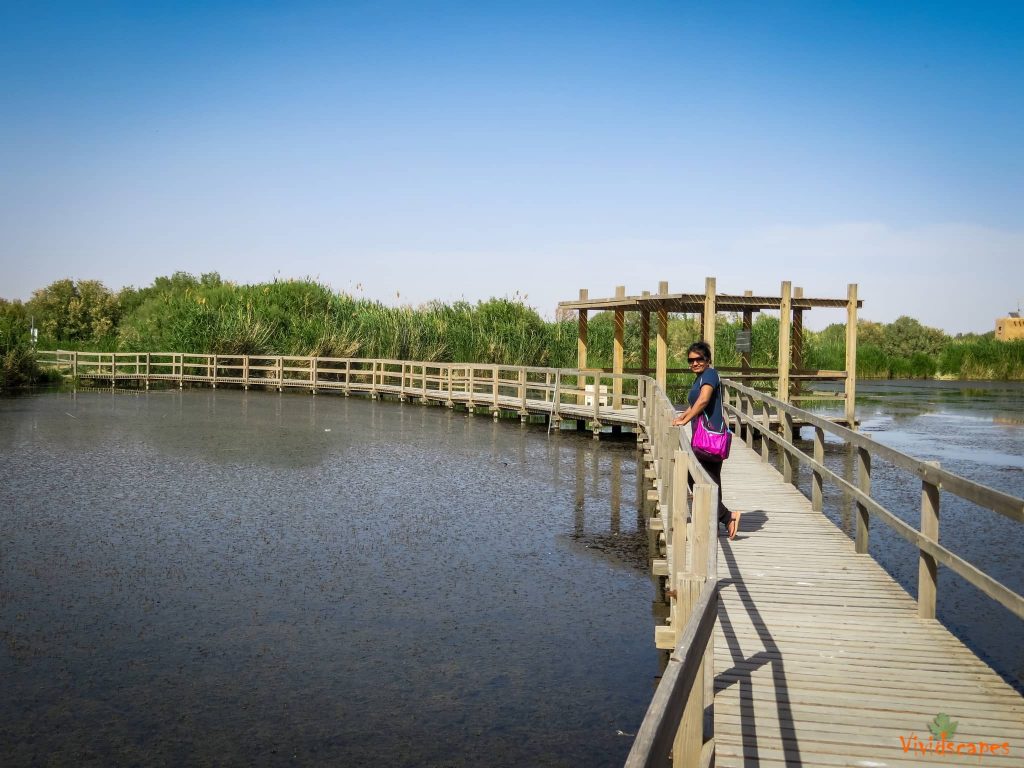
<point x="942" y="727"/>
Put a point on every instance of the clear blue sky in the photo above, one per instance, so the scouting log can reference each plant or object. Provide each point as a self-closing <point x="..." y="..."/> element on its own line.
<point x="407" y="151"/>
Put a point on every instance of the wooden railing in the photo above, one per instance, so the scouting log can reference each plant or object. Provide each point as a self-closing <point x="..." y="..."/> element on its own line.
<point x="587" y="395"/>
<point x="751" y="412"/>
<point x="672" y="732"/>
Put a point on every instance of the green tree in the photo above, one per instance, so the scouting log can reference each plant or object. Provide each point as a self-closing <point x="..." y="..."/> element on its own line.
<point x="75" y="312"/>
<point x="905" y="337"/>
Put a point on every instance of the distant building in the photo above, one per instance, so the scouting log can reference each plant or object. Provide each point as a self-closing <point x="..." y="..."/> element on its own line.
<point x="1010" y="327"/>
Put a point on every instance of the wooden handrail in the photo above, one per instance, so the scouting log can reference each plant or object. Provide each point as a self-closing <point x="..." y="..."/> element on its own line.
<point x="657" y="733"/>
<point x="933" y="479"/>
<point x="672" y="731"/>
<point x="1003" y="503"/>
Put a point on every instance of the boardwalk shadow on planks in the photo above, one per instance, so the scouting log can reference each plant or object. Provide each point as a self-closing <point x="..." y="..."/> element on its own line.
<point x="743" y="667"/>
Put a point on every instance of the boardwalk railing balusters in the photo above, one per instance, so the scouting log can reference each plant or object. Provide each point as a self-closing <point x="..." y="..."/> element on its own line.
<point x="932" y="477"/>
<point x="514" y="390"/>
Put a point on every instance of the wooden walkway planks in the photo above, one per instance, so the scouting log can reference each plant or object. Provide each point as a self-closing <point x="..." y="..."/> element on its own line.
<point x="820" y="656"/>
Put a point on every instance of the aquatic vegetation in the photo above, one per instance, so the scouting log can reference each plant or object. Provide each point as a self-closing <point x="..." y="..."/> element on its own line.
<point x="206" y="314"/>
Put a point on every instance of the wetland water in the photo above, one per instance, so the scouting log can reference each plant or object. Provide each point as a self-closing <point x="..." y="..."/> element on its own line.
<point x="230" y="578"/>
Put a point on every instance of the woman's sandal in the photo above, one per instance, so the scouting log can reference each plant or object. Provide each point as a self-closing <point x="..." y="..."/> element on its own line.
<point x="733" y="526"/>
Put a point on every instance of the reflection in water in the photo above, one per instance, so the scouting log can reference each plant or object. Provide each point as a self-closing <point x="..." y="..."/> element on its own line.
<point x="221" y="577"/>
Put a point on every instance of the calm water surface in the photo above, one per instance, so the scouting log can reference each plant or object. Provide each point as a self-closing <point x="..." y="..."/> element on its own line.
<point x="231" y="578"/>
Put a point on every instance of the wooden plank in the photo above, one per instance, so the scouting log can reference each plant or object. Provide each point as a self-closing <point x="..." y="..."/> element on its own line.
<point x="821" y="658"/>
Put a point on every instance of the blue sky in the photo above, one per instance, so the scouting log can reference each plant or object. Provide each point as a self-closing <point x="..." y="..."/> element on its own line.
<point x="415" y="151"/>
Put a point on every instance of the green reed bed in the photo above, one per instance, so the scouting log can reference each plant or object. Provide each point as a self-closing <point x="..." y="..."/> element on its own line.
<point x="301" y="317"/>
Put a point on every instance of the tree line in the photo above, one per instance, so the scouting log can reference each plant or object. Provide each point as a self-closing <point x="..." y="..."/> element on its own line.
<point x="205" y="314"/>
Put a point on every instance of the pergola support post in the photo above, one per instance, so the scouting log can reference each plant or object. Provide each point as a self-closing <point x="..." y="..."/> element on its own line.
<point x="645" y="339"/>
<point x="748" y="326"/>
<point x="708" y="327"/>
<point x="661" y="352"/>
<point x="851" y="356"/>
<point x="581" y="346"/>
<point x="797" y="346"/>
<point x="784" y="341"/>
<point x="618" y="349"/>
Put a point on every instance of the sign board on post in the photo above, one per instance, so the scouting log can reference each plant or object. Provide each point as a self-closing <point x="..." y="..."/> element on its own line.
<point x="743" y="341"/>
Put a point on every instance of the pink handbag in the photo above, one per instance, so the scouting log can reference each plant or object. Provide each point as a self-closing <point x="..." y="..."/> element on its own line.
<point x="708" y="444"/>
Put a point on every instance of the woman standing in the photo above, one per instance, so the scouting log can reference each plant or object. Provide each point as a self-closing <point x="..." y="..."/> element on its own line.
<point x="706" y="401"/>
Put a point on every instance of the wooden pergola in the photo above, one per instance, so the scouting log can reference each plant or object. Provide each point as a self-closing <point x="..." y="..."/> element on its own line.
<point x="790" y="304"/>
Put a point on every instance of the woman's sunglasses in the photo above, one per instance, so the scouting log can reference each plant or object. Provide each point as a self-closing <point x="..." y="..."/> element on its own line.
<point x="692" y="360"/>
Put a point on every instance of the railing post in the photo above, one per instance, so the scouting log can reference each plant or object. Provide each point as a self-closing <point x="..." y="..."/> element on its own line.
<point x="495" y="409"/>
<point x="864" y="485"/>
<point x="314" y="373"/>
<point x="749" y="408"/>
<point x="181" y="371"/>
<point x="556" y="412"/>
<point x="766" y="421"/>
<point x="214" y="371"/>
<point x="641" y="401"/>
<point x="686" y="748"/>
<point x="245" y="372"/>
<point x="817" y="479"/>
<point x="927" y="568"/>
<point x="74" y="365"/>
<point x="787" y="458"/>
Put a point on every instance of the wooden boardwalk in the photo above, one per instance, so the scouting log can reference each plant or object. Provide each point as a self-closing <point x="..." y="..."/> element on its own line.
<point x="820" y="657"/>
<point x="556" y="394"/>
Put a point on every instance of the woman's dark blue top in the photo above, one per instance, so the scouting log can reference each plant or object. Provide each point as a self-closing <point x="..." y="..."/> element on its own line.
<point x="713" y="410"/>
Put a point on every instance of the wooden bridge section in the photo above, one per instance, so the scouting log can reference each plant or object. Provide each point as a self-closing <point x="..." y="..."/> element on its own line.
<point x="821" y="659"/>
<point x="789" y="645"/>
<point x="593" y="398"/>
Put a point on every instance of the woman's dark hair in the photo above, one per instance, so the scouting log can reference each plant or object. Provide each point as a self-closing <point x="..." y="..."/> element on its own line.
<point x="701" y="347"/>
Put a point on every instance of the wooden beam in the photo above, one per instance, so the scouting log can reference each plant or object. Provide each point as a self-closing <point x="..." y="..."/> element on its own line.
<point x="927" y="567"/>
<point x="748" y="325"/>
<point x="645" y="338"/>
<point x="797" y="345"/>
<point x="618" y="349"/>
<point x="851" y="356"/>
<point x="661" y="352"/>
<point x="784" y="341"/>
<point x="708" y="327"/>
<point x="581" y="335"/>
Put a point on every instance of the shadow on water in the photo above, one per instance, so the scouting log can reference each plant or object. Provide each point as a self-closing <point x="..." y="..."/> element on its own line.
<point x="232" y="578"/>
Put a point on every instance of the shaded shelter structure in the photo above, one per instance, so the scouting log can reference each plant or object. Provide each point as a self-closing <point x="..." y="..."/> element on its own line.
<point x="791" y="304"/>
